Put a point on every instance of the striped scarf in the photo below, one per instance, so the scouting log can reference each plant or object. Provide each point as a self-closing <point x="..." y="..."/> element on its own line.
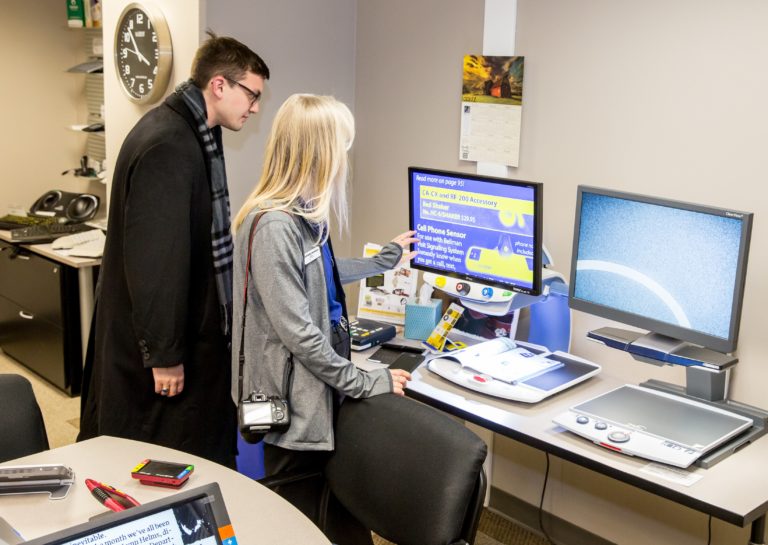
<point x="221" y="236"/>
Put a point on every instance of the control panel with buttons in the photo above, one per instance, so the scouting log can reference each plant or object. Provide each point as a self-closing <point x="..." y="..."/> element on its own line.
<point x="469" y="290"/>
<point x="655" y="425"/>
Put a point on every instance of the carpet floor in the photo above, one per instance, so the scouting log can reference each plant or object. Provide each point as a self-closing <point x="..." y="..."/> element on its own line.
<point x="495" y="529"/>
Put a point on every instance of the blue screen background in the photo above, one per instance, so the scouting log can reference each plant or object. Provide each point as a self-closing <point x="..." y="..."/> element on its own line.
<point x="649" y="259"/>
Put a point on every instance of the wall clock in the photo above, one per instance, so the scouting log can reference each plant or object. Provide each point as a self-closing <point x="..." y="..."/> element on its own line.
<point x="143" y="53"/>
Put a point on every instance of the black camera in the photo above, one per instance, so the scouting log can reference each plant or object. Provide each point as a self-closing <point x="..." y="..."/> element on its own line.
<point x="259" y="415"/>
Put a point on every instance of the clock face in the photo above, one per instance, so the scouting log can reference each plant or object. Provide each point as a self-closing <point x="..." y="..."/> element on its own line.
<point x="142" y="53"/>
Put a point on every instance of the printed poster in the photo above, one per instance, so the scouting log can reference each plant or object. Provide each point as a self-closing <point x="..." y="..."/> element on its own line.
<point x="383" y="296"/>
<point x="491" y="109"/>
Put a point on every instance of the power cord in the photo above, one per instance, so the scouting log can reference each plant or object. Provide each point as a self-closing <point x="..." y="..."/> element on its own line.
<point x="541" y="509"/>
<point x="541" y="503"/>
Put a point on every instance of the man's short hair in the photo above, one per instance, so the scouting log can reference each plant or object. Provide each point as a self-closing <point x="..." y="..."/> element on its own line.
<point x="223" y="56"/>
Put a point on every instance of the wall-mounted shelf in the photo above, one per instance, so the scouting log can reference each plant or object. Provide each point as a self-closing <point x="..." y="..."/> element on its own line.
<point x="93" y="70"/>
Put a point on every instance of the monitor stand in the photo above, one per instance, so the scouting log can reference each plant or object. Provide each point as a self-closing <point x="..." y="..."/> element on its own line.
<point x="659" y="349"/>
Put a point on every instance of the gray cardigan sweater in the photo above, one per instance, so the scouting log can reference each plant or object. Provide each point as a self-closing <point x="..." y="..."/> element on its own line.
<point x="288" y="314"/>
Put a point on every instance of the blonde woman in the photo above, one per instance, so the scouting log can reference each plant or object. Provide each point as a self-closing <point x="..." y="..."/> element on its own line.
<point x="295" y="309"/>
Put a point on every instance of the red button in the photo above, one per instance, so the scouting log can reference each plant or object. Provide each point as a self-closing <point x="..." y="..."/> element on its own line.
<point x="478" y="378"/>
<point x="612" y="447"/>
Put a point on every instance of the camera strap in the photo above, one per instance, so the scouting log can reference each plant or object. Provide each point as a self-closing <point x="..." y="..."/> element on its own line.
<point x="287" y="377"/>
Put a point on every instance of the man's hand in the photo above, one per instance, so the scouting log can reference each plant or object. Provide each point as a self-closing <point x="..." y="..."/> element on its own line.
<point x="399" y="380"/>
<point x="405" y="240"/>
<point x="169" y="381"/>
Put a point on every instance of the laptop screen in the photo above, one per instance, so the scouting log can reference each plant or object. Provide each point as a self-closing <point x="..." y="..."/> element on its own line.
<point x="193" y="517"/>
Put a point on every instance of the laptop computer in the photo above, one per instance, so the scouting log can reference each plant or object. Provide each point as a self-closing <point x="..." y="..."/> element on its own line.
<point x="197" y="516"/>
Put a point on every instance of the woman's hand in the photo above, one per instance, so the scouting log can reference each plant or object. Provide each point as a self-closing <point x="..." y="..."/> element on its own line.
<point x="399" y="380"/>
<point x="404" y="240"/>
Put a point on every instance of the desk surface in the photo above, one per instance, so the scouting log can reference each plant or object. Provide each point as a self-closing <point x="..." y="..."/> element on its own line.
<point x="735" y="490"/>
<point x="46" y="250"/>
<point x="258" y="515"/>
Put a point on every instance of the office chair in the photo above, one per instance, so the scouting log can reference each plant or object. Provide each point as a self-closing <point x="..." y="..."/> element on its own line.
<point x="22" y="430"/>
<point x="408" y="472"/>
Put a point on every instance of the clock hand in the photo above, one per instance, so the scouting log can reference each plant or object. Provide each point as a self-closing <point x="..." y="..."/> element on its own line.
<point x="141" y="57"/>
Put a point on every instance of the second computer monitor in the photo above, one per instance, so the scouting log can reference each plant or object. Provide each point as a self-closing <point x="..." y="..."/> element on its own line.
<point x="673" y="268"/>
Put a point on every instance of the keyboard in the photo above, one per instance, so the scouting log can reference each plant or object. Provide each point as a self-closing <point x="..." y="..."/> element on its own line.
<point x="12" y="221"/>
<point x="78" y="239"/>
<point x="46" y="233"/>
<point x="85" y="244"/>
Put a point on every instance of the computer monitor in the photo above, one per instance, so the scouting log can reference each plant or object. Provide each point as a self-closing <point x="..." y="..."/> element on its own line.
<point x="479" y="235"/>
<point x="196" y="516"/>
<point x="673" y="268"/>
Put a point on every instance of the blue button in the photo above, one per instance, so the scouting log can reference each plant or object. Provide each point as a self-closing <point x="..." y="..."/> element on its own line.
<point x="487" y="293"/>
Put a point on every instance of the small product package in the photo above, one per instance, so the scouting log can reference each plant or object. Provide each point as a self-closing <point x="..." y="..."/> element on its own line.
<point x="437" y="339"/>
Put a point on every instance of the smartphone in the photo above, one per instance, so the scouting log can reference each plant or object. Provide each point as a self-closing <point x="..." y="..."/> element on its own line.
<point x="384" y="355"/>
<point x="387" y="353"/>
<point x="159" y="473"/>
<point x="407" y="361"/>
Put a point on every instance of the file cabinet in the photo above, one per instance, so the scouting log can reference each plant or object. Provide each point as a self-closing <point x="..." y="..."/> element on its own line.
<point x="40" y="316"/>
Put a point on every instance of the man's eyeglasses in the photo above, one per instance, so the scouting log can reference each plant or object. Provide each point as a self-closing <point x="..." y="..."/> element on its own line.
<point x="253" y="97"/>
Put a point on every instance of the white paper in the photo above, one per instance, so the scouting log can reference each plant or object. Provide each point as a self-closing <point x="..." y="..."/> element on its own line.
<point x="674" y="474"/>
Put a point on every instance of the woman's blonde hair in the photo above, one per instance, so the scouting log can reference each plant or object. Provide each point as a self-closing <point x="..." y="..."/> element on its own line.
<point x="305" y="163"/>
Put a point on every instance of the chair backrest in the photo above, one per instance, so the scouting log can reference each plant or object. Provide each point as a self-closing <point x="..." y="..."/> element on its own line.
<point x="408" y="472"/>
<point x="22" y="430"/>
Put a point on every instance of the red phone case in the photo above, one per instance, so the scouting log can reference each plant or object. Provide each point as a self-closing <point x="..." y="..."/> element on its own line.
<point x="159" y="473"/>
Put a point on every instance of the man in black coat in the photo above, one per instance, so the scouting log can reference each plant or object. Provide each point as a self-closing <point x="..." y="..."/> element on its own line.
<point x="158" y="365"/>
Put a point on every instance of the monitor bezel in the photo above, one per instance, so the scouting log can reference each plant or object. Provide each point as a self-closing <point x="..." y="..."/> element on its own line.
<point x="713" y="342"/>
<point x="107" y="520"/>
<point x="538" y="221"/>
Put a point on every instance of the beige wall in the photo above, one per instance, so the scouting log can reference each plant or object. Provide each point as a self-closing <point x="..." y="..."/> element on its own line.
<point x="39" y="101"/>
<point x="658" y="97"/>
<point x="309" y="47"/>
<point x="665" y="98"/>
<point x="408" y="87"/>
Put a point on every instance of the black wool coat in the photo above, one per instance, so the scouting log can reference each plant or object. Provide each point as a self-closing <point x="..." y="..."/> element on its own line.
<point x="157" y="303"/>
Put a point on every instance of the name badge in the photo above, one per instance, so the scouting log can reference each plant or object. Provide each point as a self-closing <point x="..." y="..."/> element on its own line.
<point x="311" y="255"/>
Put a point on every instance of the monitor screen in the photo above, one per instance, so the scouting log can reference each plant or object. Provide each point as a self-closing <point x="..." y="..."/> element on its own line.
<point x="669" y="267"/>
<point x="193" y="517"/>
<point x="477" y="228"/>
<point x="374" y="281"/>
